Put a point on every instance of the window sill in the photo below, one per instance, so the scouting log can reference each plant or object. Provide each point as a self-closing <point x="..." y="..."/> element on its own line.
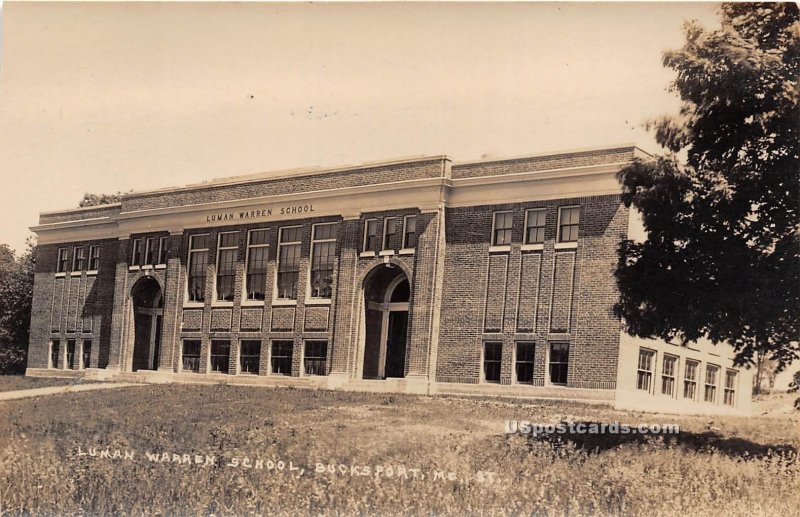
<point x="318" y="301"/>
<point x="500" y="249"/>
<point x="284" y="302"/>
<point x="92" y="272"/>
<point x="532" y="247"/>
<point x="147" y="266"/>
<point x="194" y="305"/>
<point x="367" y="254"/>
<point x="566" y="245"/>
<point x="386" y="253"/>
<point x="61" y="275"/>
<point x="221" y="303"/>
<point x="252" y="303"/>
<point x="75" y="273"/>
<point x="134" y="268"/>
<point x="407" y="251"/>
<point x="161" y="266"/>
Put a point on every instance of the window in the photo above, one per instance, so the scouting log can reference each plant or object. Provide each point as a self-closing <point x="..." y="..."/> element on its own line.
<point x="61" y="266"/>
<point x="257" y="257"/>
<point x="730" y="387"/>
<point x="492" y="353"/>
<point x="70" y="354"/>
<point x="191" y="356"/>
<point x="227" y="249"/>
<point x="559" y="362"/>
<point x="281" y="357"/>
<point x="410" y="232"/>
<point x="315" y="357"/>
<point x="568" y="218"/>
<point x="55" y="348"/>
<point x="86" y="352"/>
<point x="152" y="251"/>
<point x="644" y="373"/>
<point x="198" y="261"/>
<point x="288" y="262"/>
<point x="94" y="258"/>
<point x="137" y="254"/>
<point x="389" y="231"/>
<point x="323" y="251"/>
<point x="249" y="353"/>
<point x="710" y="392"/>
<point x="503" y="223"/>
<point x="163" y="250"/>
<point x="534" y="225"/>
<point x="220" y="355"/>
<point x="524" y="363"/>
<point x="370" y="234"/>
<point x="668" y="375"/>
<point x="78" y="258"/>
<point x="690" y="380"/>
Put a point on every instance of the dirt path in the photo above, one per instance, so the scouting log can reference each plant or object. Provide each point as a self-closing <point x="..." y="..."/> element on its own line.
<point x="58" y="390"/>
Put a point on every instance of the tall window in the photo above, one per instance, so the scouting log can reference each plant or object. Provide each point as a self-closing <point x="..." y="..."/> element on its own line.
<point x="94" y="257"/>
<point x="730" y="387"/>
<point x="249" y="353"/>
<point x="410" y="232"/>
<point x="227" y="249"/>
<point x="644" y="373"/>
<point x="524" y="363"/>
<point x="137" y="253"/>
<point x="710" y="392"/>
<point x="257" y="257"/>
<point x="371" y="234"/>
<point x="690" y="380"/>
<point x="78" y="258"/>
<point x="152" y="251"/>
<point x="163" y="250"/>
<point x="198" y="262"/>
<point x="281" y="357"/>
<point x="288" y="262"/>
<point x="668" y="375"/>
<point x="501" y="232"/>
<point x="568" y="218"/>
<point x="534" y="225"/>
<point x="71" y="354"/>
<point x="323" y="251"/>
<point x="190" y="357"/>
<point x="315" y="357"/>
<point x="220" y="355"/>
<point x="55" y="349"/>
<point x="86" y="352"/>
<point x="389" y="231"/>
<point x="559" y="362"/>
<point x="61" y="266"/>
<point x="492" y="353"/>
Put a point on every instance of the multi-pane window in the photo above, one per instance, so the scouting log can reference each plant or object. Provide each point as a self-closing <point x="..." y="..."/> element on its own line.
<point x="323" y="251"/>
<point x="86" y="352"/>
<point x="55" y="349"/>
<point x="668" y="370"/>
<point x="568" y="219"/>
<point x="220" y="355"/>
<point x="730" y="387"/>
<point x="281" y="357"/>
<point x="389" y="231"/>
<point x="288" y="262"/>
<point x="62" y="263"/>
<point x="190" y="357"/>
<point x="257" y="257"/>
<point x="524" y="362"/>
<point x="197" y="265"/>
<point x="690" y="380"/>
<point x="534" y="226"/>
<point x="492" y="353"/>
<point x="410" y="232"/>
<point x="644" y="372"/>
<point x="152" y="251"/>
<point x="71" y="354"/>
<point x="78" y="258"/>
<point x="371" y="234"/>
<point x="315" y="357"/>
<point x="227" y="249"/>
<point x="137" y="253"/>
<point x="249" y="353"/>
<point x="163" y="250"/>
<point x="559" y="362"/>
<point x="94" y="257"/>
<point x="501" y="231"/>
<point x="710" y="392"/>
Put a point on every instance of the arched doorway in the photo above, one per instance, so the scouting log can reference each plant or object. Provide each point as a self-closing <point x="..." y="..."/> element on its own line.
<point x="386" y="296"/>
<point x="148" y="309"/>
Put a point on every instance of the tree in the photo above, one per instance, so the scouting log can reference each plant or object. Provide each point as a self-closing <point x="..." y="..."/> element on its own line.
<point x="16" y="295"/>
<point x="720" y="206"/>
<point x="100" y="199"/>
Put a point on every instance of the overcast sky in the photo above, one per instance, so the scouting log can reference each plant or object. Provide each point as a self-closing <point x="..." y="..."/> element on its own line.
<point x="107" y="97"/>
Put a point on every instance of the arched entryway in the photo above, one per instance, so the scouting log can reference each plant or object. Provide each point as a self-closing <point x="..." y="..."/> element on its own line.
<point x="148" y="309"/>
<point x="386" y="296"/>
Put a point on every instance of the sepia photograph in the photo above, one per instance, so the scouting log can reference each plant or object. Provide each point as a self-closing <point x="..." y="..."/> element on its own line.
<point x="399" y="258"/>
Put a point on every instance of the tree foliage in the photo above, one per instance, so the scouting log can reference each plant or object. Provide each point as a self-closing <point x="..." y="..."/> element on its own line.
<point x="99" y="199"/>
<point x="720" y="207"/>
<point x="16" y="295"/>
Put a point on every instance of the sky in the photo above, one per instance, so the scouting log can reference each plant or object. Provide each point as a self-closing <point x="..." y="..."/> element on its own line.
<point x="106" y="97"/>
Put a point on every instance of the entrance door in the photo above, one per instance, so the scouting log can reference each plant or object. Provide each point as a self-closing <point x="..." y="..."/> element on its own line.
<point x="396" y="344"/>
<point x="147" y="314"/>
<point x="385" y="327"/>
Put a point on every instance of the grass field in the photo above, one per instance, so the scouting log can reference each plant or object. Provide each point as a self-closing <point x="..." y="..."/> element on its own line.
<point x="19" y="382"/>
<point x="381" y="454"/>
